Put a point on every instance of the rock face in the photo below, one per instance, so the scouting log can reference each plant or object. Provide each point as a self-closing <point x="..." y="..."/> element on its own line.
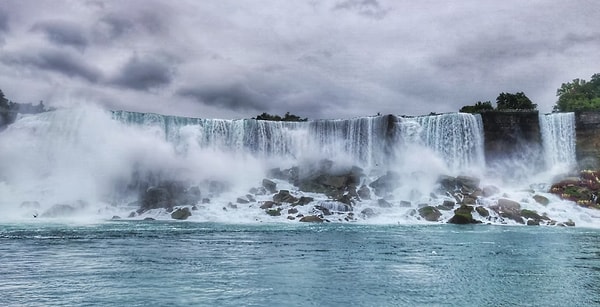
<point x="583" y="190"/>
<point x="587" y="134"/>
<point x="509" y="134"/>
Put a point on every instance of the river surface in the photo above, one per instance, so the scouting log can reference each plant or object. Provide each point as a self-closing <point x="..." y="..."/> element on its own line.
<point x="159" y="263"/>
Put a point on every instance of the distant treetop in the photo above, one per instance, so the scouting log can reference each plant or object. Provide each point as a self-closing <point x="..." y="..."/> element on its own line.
<point x="286" y="118"/>
<point x="504" y="101"/>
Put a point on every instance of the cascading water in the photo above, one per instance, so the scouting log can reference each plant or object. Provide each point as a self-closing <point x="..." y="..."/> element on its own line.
<point x="455" y="137"/>
<point x="69" y="158"/>
<point x="558" y="137"/>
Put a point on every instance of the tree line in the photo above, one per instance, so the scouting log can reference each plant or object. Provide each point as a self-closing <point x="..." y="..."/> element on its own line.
<point x="578" y="95"/>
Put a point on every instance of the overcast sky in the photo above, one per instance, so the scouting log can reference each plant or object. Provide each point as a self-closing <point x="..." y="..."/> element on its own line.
<point x="317" y="59"/>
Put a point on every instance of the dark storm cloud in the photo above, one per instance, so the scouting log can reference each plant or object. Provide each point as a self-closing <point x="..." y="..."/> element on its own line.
<point x="144" y="73"/>
<point x="233" y="96"/>
<point x="367" y="8"/>
<point x="62" y="33"/>
<point x="3" y="21"/>
<point x="65" y="63"/>
<point x="112" y="27"/>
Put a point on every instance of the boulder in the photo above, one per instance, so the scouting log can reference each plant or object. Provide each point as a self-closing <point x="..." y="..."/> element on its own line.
<point x="181" y="213"/>
<point x="447" y="183"/>
<point x="311" y="219"/>
<point x="467" y="183"/>
<point x="510" y="209"/>
<point x="364" y="192"/>
<point x="274" y="212"/>
<point x="268" y="204"/>
<point x="242" y="200"/>
<point x="367" y="213"/>
<point x="446" y="205"/>
<point x="482" y="211"/>
<point x="430" y="213"/>
<point x="542" y="200"/>
<point x="383" y="203"/>
<point x="323" y="209"/>
<point x="269" y="185"/>
<point x="284" y="196"/>
<point x="292" y="211"/>
<point x="463" y="215"/>
<point x="304" y="200"/>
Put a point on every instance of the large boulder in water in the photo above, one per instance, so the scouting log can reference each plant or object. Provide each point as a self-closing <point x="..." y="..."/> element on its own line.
<point x="181" y="213"/>
<point x="311" y="219"/>
<point x="463" y="215"/>
<point x="169" y="194"/>
<point x="510" y="209"/>
<point x="430" y="213"/>
<point x="269" y="185"/>
<point x="284" y="196"/>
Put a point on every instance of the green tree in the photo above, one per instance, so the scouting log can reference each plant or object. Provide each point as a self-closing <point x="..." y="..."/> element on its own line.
<point x="478" y="107"/>
<point x="517" y="101"/>
<point x="579" y="95"/>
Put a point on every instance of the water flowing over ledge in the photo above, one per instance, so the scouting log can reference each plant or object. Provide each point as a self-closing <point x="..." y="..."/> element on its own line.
<point x="378" y="169"/>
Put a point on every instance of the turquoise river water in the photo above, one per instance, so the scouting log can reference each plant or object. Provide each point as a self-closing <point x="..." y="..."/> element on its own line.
<point x="153" y="263"/>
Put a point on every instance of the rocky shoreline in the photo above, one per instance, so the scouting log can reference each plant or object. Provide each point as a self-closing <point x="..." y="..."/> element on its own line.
<point x="347" y="195"/>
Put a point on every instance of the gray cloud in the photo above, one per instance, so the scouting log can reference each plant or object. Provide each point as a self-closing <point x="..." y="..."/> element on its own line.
<point x="65" y="63"/>
<point x="63" y="33"/>
<point x="234" y="96"/>
<point x="367" y="8"/>
<point x="144" y="73"/>
<point x="319" y="59"/>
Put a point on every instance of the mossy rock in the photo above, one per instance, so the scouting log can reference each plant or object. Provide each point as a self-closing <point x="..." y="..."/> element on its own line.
<point x="463" y="215"/>
<point x="430" y="213"/>
<point x="482" y="211"/>
<point x="274" y="212"/>
<point x="530" y="214"/>
<point x="311" y="219"/>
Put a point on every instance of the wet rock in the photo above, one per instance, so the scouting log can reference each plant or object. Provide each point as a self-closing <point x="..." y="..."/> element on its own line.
<point x="468" y="200"/>
<point x="290" y="217"/>
<point x="446" y="205"/>
<point x="447" y="183"/>
<point x="482" y="211"/>
<point x="463" y="215"/>
<point x="269" y="185"/>
<point x="323" y="209"/>
<point x="430" y="213"/>
<point x="116" y="217"/>
<point x="232" y="206"/>
<point x="510" y="209"/>
<point x="542" y="200"/>
<point x="149" y="219"/>
<point x="274" y="212"/>
<point x="384" y="203"/>
<point x="181" y="213"/>
<point x="490" y="190"/>
<point x="284" y="196"/>
<point x="367" y="213"/>
<point x="132" y="214"/>
<point x="268" y="204"/>
<point x="311" y="219"/>
<point x="533" y="223"/>
<point x="304" y="200"/>
<point x="242" y="200"/>
<point x="405" y="204"/>
<point x="346" y="199"/>
<point x="206" y="200"/>
<point x="194" y="208"/>
<point x="250" y="198"/>
<point x="467" y="183"/>
<point x="364" y="192"/>
<point x="292" y="211"/>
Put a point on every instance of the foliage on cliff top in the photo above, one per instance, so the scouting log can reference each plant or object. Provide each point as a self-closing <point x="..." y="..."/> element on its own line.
<point x="504" y="101"/>
<point x="286" y="118"/>
<point x="579" y="95"/>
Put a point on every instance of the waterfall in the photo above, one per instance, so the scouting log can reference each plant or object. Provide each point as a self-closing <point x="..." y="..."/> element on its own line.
<point x="558" y="138"/>
<point x="362" y="139"/>
<point x="457" y="138"/>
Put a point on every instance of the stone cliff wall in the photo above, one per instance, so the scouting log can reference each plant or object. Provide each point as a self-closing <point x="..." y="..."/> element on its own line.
<point x="512" y="134"/>
<point x="587" y="131"/>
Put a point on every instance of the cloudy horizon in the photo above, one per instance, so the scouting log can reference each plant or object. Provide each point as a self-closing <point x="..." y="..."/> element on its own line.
<point x="317" y="59"/>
